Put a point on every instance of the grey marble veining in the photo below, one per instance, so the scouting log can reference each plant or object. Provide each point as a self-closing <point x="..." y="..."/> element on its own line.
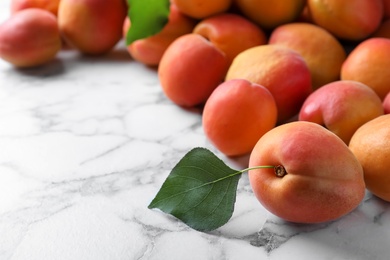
<point x="86" y="143"/>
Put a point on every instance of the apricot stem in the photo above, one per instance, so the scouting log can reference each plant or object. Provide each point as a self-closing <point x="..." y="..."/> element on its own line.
<point x="280" y="171"/>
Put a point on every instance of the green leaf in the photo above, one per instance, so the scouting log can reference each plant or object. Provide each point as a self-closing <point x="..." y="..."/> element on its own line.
<point x="200" y="191"/>
<point x="148" y="17"/>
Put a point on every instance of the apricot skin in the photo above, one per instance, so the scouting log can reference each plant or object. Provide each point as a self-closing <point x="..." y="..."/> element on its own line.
<point x="237" y="114"/>
<point x="352" y="20"/>
<point x="29" y="38"/>
<point x="281" y="70"/>
<point x="190" y="69"/>
<point x="92" y="26"/>
<point x="371" y="145"/>
<point x="223" y="30"/>
<point x="200" y="9"/>
<point x="322" y="52"/>
<point x="342" y="107"/>
<point x="324" y="180"/>
<point x="369" y="63"/>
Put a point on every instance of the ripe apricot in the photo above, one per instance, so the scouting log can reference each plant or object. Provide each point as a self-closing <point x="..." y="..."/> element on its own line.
<point x="92" y="26"/>
<point x="29" y="38"/>
<point x="281" y="70"/>
<point x="270" y="14"/>
<point x="371" y="145"/>
<point x="200" y="9"/>
<point x="369" y="63"/>
<point x="190" y="69"/>
<point x="342" y="107"/>
<point x="237" y="114"/>
<point x="348" y="19"/>
<point x="231" y="33"/>
<point x="317" y="177"/>
<point x="322" y="52"/>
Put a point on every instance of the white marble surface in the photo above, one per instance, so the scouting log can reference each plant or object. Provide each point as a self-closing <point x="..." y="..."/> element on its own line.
<point x="85" y="144"/>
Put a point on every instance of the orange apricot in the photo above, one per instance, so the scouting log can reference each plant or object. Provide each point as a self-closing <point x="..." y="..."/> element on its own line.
<point x="371" y="145"/>
<point x="190" y="69"/>
<point x="200" y="9"/>
<point x="348" y="19"/>
<point x="369" y="63"/>
<point x="231" y="33"/>
<point x="322" y="52"/>
<point x="270" y="14"/>
<point x="237" y="114"/>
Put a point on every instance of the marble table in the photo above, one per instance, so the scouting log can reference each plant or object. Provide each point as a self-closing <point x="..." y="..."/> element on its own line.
<point x="86" y="143"/>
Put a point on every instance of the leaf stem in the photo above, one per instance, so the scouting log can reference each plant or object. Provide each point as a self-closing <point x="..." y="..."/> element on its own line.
<point x="256" y="167"/>
<point x="237" y="173"/>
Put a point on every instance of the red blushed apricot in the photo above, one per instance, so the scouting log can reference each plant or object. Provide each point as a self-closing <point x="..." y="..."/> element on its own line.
<point x="190" y="69"/>
<point x="348" y="19"/>
<point x="369" y="63"/>
<point x="92" y="26"/>
<point x="342" y="107"/>
<point x="281" y="70"/>
<point x="319" y="179"/>
<point x="150" y="50"/>
<point x="48" y="5"/>
<point x="237" y="114"/>
<point x="29" y="38"/>
<point x="231" y="33"/>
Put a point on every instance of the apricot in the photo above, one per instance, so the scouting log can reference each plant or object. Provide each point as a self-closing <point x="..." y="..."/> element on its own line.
<point x="231" y="33"/>
<point x="386" y="104"/>
<point x="190" y="69"/>
<point x="29" y="38"/>
<point x="150" y="49"/>
<point x="371" y="145"/>
<point x="369" y="63"/>
<point x="383" y="30"/>
<point x="237" y="114"/>
<point x="342" y="107"/>
<point x="92" y="26"/>
<point x="349" y="19"/>
<point x="48" y="5"/>
<point x="270" y="14"/>
<point x="316" y="179"/>
<point x="200" y="9"/>
<point x="322" y="52"/>
<point x="281" y="70"/>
